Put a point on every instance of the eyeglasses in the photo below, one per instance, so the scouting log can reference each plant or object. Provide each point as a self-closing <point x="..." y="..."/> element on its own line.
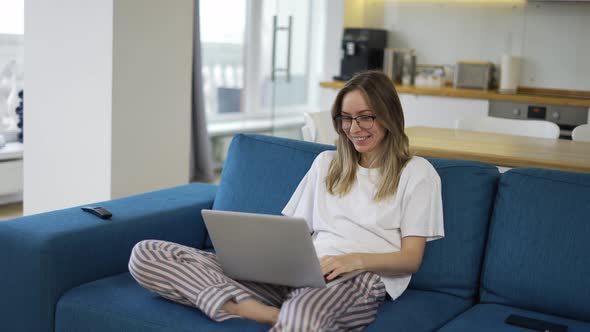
<point x="363" y="121"/>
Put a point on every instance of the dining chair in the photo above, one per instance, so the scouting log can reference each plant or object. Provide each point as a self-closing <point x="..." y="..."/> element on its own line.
<point x="581" y="133"/>
<point x="488" y="124"/>
<point x="319" y="128"/>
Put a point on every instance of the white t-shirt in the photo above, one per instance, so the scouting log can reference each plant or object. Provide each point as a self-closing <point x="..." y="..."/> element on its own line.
<point x="355" y="223"/>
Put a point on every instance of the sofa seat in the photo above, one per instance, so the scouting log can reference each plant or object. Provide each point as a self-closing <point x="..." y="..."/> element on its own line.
<point x="490" y="317"/>
<point x="417" y="310"/>
<point x="118" y="303"/>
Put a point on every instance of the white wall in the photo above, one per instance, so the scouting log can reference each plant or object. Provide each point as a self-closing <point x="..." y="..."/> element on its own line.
<point x="355" y="13"/>
<point x="551" y="37"/>
<point x="107" y="109"/>
<point x="68" y="103"/>
<point x="325" y="50"/>
<point x="151" y="95"/>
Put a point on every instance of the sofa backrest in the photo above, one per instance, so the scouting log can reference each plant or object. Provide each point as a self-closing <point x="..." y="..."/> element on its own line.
<point x="538" y="249"/>
<point x="261" y="173"/>
<point x="453" y="265"/>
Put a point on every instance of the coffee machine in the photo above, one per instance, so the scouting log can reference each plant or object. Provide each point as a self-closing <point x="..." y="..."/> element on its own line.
<point x="362" y="49"/>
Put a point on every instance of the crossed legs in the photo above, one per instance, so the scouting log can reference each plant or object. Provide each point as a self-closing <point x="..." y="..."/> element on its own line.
<point x="193" y="277"/>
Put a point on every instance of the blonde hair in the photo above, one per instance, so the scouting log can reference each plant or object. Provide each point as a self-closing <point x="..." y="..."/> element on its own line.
<point x="393" y="152"/>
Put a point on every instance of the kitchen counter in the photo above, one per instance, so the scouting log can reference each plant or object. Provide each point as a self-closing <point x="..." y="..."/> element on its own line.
<point x="499" y="149"/>
<point x="528" y="95"/>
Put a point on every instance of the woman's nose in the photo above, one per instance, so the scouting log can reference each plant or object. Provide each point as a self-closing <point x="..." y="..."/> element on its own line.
<point x="354" y="126"/>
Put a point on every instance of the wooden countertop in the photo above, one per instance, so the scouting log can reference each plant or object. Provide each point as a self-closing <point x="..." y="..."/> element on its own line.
<point x="501" y="150"/>
<point x="480" y="94"/>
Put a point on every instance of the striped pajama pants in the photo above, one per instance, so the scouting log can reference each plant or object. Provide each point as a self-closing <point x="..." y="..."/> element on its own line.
<point x="194" y="277"/>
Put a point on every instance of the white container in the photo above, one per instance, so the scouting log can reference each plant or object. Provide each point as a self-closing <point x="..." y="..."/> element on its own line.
<point x="509" y="74"/>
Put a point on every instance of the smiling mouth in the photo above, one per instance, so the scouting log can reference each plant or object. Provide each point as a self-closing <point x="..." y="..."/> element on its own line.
<point x="360" y="139"/>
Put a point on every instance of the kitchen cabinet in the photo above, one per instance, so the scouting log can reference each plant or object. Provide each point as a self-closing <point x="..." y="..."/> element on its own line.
<point x="11" y="177"/>
<point x="11" y="172"/>
<point x="439" y="112"/>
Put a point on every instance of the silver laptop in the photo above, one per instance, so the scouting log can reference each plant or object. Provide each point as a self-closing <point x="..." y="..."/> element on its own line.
<point x="266" y="248"/>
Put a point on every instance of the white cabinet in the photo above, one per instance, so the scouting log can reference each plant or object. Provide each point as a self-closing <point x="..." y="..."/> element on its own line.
<point x="11" y="177"/>
<point x="439" y="112"/>
<point x="11" y="172"/>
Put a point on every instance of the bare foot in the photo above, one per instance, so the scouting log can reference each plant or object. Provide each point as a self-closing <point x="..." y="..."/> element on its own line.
<point x="252" y="309"/>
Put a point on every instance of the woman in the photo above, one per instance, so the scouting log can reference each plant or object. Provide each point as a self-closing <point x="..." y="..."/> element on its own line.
<point x="371" y="206"/>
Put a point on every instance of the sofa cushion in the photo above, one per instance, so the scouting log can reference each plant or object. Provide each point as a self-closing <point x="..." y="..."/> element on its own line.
<point x="491" y="317"/>
<point x="537" y="253"/>
<point x="118" y="303"/>
<point x="453" y="264"/>
<point x="418" y="311"/>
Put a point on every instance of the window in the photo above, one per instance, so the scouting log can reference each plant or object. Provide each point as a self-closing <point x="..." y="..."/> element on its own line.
<point x="12" y="17"/>
<point x="11" y="65"/>
<point x="223" y="25"/>
<point x="240" y="43"/>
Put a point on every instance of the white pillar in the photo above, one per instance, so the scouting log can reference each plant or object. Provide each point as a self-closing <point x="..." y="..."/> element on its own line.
<point x="107" y="109"/>
<point x="326" y="50"/>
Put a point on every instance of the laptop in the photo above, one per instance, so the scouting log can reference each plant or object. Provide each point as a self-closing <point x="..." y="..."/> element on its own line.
<point x="266" y="248"/>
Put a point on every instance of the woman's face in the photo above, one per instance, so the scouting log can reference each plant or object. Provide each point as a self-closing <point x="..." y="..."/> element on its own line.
<point x="365" y="141"/>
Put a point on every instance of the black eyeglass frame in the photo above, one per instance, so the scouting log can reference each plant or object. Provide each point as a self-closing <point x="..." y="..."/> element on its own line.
<point x="338" y="119"/>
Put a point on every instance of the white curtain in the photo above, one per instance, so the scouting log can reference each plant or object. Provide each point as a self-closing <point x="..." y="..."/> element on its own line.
<point x="201" y="157"/>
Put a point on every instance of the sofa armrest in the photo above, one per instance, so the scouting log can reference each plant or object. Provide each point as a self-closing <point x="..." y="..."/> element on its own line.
<point x="47" y="254"/>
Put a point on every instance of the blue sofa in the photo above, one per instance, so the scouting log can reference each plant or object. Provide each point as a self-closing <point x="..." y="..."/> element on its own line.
<point x="515" y="243"/>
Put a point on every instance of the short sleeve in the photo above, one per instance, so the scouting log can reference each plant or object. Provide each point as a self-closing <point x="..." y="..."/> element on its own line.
<point x="423" y="213"/>
<point x="301" y="204"/>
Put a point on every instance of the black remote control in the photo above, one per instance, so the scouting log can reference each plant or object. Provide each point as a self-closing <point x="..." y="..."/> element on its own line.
<point x="535" y="324"/>
<point x="98" y="211"/>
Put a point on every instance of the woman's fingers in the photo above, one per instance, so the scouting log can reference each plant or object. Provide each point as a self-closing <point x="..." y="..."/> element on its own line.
<point x="326" y="264"/>
<point x="327" y="268"/>
<point x="335" y="274"/>
<point x="332" y="267"/>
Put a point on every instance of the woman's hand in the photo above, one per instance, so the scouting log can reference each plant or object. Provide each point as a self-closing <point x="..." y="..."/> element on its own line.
<point x="402" y="262"/>
<point x="333" y="266"/>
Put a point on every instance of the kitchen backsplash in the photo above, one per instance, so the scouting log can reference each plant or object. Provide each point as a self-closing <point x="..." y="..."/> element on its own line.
<point x="552" y="38"/>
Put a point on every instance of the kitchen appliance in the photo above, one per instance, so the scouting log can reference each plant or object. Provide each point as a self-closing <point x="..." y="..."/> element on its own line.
<point x="566" y="117"/>
<point x="399" y="65"/>
<point x="509" y="74"/>
<point x="362" y="49"/>
<point x="474" y="75"/>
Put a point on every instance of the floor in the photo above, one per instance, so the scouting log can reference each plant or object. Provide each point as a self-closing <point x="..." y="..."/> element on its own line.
<point x="9" y="211"/>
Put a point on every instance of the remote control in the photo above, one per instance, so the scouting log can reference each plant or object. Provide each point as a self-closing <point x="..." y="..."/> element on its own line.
<point x="98" y="211"/>
<point x="535" y="324"/>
